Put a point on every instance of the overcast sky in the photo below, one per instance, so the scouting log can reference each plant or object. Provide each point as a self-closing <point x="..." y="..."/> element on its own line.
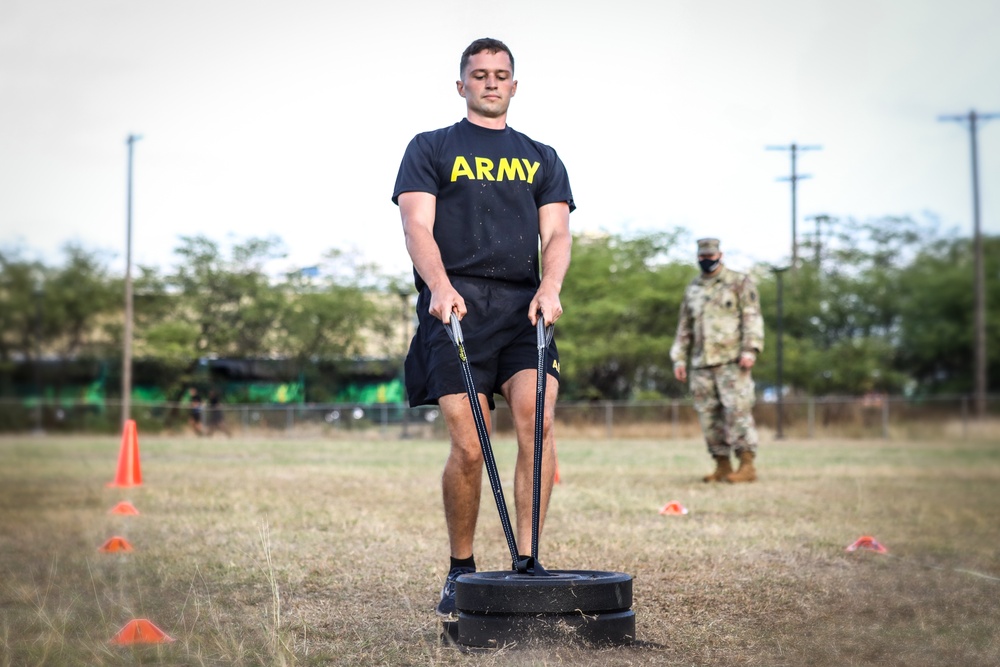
<point x="290" y="118"/>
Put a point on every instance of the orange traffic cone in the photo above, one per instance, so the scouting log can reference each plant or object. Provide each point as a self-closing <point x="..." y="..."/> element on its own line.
<point x="868" y="543"/>
<point x="115" y="544"/>
<point x="673" y="508"/>
<point x="124" y="507"/>
<point x="140" y="631"/>
<point x="128" y="458"/>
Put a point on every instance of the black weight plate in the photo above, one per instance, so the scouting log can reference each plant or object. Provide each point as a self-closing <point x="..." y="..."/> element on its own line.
<point x="449" y="638"/>
<point x="449" y="630"/>
<point x="497" y="630"/>
<point x="559" y="592"/>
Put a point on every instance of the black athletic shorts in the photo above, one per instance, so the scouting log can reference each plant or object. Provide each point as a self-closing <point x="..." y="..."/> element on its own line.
<point x="499" y="342"/>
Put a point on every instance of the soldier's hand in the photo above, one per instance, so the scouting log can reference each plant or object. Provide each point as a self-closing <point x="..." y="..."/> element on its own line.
<point x="747" y="361"/>
<point x="446" y="300"/>
<point x="681" y="373"/>
<point x="548" y="303"/>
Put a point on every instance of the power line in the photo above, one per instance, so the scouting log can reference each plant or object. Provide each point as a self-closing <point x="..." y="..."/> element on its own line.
<point x="979" y="280"/>
<point x="795" y="177"/>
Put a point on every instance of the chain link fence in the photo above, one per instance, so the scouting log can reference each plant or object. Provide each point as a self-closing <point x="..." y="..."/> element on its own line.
<point x="802" y="418"/>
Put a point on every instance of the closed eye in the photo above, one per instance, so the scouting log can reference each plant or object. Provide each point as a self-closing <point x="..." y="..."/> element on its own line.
<point x="479" y="74"/>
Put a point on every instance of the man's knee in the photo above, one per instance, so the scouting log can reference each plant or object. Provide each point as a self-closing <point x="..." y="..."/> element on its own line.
<point x="466" y="455"/>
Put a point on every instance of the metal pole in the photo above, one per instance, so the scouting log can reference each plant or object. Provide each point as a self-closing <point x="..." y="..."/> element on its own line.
<point x="979" y="321"/>
<point x="979" y="280"/>
<point x="127" y="334"/>
<point x="794" y="179"/>
<point x="795" y="234"/>
<point x="819" y="220"/>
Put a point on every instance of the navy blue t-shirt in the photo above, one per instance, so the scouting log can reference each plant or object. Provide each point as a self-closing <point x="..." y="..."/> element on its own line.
<point x="489" y="185"/>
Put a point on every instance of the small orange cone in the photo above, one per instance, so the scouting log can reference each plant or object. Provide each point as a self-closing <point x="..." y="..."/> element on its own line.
<point x="124" y="507"/>
<point x="140" y="631"/>
<point x="128" y="458"/>
<point x="673" y="508"/>
<point x="115" y="544"/>
<point x="868" y="543"/>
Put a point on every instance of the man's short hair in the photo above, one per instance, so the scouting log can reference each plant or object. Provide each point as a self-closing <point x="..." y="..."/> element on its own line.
<point x="480" y="45"/>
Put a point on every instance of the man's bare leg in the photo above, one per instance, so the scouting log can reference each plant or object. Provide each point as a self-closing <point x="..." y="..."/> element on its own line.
<point x="520" y="392"/>
<point x="461" y="482"/>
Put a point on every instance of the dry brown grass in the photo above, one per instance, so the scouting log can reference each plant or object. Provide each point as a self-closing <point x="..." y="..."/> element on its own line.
<point x="302" y="552"/>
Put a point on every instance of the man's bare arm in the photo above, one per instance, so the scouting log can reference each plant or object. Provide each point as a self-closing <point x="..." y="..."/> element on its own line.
<point x="417" y="211"/>
<point x="557" y="242"/>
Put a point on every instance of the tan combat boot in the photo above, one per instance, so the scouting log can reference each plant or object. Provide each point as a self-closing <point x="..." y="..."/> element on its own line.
<point x="723" y="468"/>
<point x="746" y="473"/>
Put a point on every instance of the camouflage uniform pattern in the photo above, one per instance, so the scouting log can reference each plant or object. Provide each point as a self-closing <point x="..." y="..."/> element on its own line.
<point x="719" y="321"/>
<point x="724" y="398"/>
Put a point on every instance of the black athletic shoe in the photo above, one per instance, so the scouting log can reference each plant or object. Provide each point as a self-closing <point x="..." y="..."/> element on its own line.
<point x="446" y="608"/>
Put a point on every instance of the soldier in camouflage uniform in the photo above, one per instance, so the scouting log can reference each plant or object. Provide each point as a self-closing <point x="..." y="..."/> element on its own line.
<point x="722" y="332"/>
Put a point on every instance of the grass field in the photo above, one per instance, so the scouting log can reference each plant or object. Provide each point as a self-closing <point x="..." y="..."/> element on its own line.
<point x="298" y="552"/>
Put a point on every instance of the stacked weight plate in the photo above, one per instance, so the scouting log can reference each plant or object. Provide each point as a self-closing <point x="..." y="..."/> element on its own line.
<point x="496" y="609"/>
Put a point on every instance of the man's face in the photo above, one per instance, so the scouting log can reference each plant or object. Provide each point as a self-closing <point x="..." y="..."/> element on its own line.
<point x="488" y="84"/>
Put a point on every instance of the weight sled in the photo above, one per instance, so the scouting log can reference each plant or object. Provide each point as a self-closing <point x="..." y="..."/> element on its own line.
<point x="557" y="592"/>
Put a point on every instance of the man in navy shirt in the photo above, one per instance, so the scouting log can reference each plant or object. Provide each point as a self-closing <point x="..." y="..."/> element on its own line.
<point x="485" y="213"/>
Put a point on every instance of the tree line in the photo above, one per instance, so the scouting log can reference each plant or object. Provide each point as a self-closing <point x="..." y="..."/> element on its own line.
<point x="882" y="305"/>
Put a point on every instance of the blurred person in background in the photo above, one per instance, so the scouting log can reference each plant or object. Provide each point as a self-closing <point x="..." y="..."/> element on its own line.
<point x="216" y="419"/>
<point x="720" y="332"/>
<point x="194" y="411"/>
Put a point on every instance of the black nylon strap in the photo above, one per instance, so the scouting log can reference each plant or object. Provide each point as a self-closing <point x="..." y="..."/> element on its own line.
<point x="544" y="337"/>
<point x="455" y="333"/>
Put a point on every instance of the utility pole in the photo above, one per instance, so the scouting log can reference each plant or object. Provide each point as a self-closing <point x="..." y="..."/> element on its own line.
<point x="818" y="242"/>
<point x="795" y="177"/>
<point x="127" y="335"/>
<point x="979" y="280"/>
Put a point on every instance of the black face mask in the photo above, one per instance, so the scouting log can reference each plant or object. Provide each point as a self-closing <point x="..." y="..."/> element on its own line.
<point x="708" y="265"/>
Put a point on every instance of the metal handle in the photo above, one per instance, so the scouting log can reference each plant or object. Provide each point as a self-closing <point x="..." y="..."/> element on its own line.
<point x="454" y="329"/>
<point x="544" y="333"/>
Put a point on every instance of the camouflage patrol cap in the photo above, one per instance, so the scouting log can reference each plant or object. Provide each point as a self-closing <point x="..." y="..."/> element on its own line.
<point x="708" y="247"/>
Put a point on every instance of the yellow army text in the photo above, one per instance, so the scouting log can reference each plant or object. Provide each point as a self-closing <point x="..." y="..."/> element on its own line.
<point x="510" y="169"/>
